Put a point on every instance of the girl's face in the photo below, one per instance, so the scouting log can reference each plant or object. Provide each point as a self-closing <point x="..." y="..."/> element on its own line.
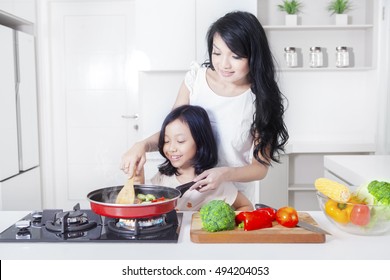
<point x="227" y="64"/>
<point x="179" y="146"/>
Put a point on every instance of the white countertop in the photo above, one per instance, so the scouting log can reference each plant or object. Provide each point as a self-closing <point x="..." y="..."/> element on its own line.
<point x="359" y="169"/>
<point x="339" y="245"/>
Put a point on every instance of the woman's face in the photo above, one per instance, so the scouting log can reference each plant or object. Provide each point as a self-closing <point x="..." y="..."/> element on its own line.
<point x="227" y="64"/>
<point x="179" y="146"/>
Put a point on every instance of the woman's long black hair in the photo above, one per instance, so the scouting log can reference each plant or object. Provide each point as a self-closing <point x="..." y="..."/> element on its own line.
<point x="245" y="37"/>
<point x="198" y="121"/>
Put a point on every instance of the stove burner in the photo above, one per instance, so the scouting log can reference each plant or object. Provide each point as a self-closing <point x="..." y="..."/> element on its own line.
<point x="142" y="223"/>
<point x="139" y="226"/>
<point x="70" y="221"/>
<point x="143" y="228"/>
<point x="57" y="225"/>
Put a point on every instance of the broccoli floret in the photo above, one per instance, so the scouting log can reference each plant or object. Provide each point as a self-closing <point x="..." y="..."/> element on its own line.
<point x="217" y="215"/>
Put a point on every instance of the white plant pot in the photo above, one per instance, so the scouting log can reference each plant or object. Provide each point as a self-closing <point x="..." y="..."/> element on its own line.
<point x="341" y="19"/>
<point x="291" y="20"/>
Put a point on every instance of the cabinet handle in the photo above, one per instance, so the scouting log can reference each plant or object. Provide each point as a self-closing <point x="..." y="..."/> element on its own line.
<point x="135" y="116"/>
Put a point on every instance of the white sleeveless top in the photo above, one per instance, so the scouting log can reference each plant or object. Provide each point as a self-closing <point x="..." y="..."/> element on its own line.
<point x="231" y="119"/>
<point x="194" y="200"/>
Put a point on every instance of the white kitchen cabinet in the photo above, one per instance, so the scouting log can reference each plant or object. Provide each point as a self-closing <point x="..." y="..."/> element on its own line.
<point x="355" y="170"/>
<point x="9" y="157"/>
<point x="22" y="192"/>
<point x="165" y="36"/>
<point x="172" y="33"/>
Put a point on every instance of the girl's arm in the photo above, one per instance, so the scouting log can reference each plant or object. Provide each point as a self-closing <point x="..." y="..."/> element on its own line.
<point x="134" y="159"/>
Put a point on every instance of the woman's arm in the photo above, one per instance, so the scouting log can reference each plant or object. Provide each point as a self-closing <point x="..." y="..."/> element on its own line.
<point x="212" y="178"/>
<point x="183" y="97"/>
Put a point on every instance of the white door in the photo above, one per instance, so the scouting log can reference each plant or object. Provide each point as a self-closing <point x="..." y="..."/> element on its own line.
<point x="94" y="84"/>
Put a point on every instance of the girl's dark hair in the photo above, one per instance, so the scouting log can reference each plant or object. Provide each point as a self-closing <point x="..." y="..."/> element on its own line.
<point x="245" y="37"/>
<point x="199" y="124"/>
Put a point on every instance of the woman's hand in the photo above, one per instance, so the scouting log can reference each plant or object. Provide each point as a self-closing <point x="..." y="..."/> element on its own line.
<point x="134" y="159"/>
<point x="210" y="179"/>
<point x="214" y="177"/>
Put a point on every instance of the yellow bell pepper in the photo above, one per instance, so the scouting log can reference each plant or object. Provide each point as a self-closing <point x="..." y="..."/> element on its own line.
<point x="340" y="212"/>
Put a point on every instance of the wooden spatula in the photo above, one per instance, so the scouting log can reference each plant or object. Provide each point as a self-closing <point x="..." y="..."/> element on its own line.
<point x="126" y="194"/>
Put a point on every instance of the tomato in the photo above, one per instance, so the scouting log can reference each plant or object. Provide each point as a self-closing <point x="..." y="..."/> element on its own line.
<point x="287" y="216"/>
<point x="360" y="215"/>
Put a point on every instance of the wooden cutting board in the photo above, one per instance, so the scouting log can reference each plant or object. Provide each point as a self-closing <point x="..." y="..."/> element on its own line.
<point x="276" y="234"/>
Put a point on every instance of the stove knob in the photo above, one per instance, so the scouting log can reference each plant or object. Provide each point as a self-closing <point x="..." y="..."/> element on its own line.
<point x="23" y="234"/>
<point x="36" y="216"/>
<point x="23" y="224"/>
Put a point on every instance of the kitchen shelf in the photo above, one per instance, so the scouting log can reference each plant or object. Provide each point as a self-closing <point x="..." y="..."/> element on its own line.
<point x="324" y="69"/>
<point x="317" y="27"/>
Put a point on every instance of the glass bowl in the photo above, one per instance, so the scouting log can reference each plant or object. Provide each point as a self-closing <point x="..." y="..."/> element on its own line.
<point x="355" y="218"/>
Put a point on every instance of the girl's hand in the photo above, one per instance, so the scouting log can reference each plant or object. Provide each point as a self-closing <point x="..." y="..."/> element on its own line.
<point x="210" y="179"/>
<point x="134" y="159"/>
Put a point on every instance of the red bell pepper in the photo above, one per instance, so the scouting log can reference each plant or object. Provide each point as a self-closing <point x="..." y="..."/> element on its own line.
<point x="254" y="219"/>
<point x="270" y="211"/>
<point x="158" y="199"/>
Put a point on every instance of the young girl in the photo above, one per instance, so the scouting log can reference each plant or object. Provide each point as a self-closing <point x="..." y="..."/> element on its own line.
<point x="187" y="143"/>
<point x="238" y="89"/>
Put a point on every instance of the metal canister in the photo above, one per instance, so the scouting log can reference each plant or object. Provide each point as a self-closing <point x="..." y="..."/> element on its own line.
<point x="290" y="57"/>
<point x="342" y="56"/>
<point x="316" y="57"/>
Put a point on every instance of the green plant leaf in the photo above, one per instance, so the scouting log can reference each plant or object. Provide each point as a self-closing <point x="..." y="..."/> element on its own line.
<point x="339" y="6"/>
<point x="291" y="7"/>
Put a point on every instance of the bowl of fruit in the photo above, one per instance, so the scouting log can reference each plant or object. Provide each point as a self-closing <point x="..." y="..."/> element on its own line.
<point x="364" y="210"/>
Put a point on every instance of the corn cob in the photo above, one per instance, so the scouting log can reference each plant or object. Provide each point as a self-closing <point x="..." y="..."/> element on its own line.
<point x="333" y="190"/>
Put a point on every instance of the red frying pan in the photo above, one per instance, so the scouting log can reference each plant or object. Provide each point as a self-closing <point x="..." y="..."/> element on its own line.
<point x="102" y="201"/>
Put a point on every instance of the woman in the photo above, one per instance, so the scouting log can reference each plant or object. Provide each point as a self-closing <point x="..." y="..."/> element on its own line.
<point x="238" y="89"/>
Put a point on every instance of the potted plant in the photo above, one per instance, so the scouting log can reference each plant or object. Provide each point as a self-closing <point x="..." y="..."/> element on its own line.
<point x="292" y="8"/>
<point x="339" y="8"/>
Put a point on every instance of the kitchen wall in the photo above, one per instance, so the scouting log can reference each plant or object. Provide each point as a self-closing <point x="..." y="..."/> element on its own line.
<point x="325" y="108"/>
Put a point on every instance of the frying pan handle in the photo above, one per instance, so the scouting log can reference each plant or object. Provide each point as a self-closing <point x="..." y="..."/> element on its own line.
<point x="185" y="187"/>
<point x="260" y="205"/>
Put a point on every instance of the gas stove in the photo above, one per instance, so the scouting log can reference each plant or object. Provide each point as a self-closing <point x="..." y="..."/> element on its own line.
<point x="83" y="225"/>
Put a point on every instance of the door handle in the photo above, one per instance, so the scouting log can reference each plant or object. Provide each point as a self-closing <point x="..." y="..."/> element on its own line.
<point x="134" y="116"/>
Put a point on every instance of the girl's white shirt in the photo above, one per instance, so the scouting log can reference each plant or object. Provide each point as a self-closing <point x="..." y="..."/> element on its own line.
<point x="193" y="200"/>
<point x="231" y="119"/>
